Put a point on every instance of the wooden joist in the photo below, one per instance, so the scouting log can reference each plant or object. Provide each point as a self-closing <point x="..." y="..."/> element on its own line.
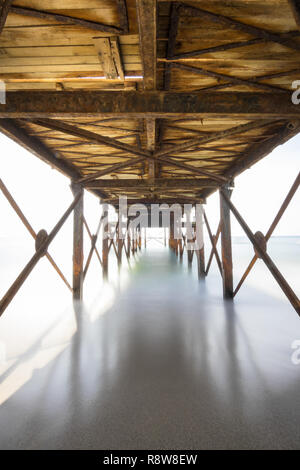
<point x="65" y="19"/>
<point x="4" y="10"/>
<point x="158" y="104"/>
<point x="110" y="58"/>
<point x="239" y="26"/>
<point x="162" y="183"/>
<point x="295" y="6"/>
<point x="146" y="15"/>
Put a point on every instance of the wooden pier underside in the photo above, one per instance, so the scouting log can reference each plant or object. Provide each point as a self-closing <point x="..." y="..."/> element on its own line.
<point x="156" y="100"/>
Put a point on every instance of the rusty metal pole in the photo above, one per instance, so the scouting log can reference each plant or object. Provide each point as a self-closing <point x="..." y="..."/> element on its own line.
<point x="78" y="253"/>
<point x="128" y="240"/>
<point x="105" y="241"/>
<point x="227" y="268"/>
<point x="190" y="252"/>
<point x="171" y="234"/>
<point x="200" y="253"/>
<point x="119" y="233"/>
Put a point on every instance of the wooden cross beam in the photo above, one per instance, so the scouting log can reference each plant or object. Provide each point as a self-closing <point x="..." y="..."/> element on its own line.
<point x="239" y="26"/>
<point x="213" y="244"/>
<point x="65" y="19"/>
<point x="231" y="80"/>
<point x="157" y="156"/>
<point x="148" y="104"/>
<point x="4" y="12"/>
<point x="23" y="218"/>
<point x="215" y="239"/>
<point x="41" y="250"/>
<point x="264" y="256"/>
<point x="93" y="248"/>
<point x="295" y="6"/>
<point x="274" y="224"/>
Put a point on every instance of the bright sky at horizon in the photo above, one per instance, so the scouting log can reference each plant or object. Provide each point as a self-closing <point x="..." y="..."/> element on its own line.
<point x="43" y="194"/>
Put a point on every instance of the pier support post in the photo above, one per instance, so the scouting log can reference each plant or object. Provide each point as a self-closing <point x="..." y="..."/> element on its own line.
<point x="78" y="243"/>
<point x="227" y="269"/>
<point x="119" y="244"/>
<point x="171" y="234"/>
<point x="105" y="243"/>
<point x="190" y="252"/>
<point x="200" y="250"/>
<point x="128" y="240"/>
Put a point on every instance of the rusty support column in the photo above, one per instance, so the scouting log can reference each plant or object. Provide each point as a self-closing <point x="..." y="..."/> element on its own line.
<point x="78" y="253"/>
<point x="200" y="250"/>
<point x="171" y="234"/>
<point x="105" y="242"/>
<point x="128" y="240"/>
<point x="119" y="243"/>
<point x="226" y="244"/>
<point x="190" y="252"/>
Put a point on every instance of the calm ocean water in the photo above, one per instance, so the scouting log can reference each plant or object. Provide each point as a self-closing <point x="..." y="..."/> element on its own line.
<point x="185" y="349"/>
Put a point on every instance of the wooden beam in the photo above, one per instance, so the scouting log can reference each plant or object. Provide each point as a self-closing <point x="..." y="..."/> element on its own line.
<point x="4" y="12"/>
<point x="151" y="131"/>
<point x="226" y="245"/>
<point x="146" y="16"/>
<point x="269" y="233"/>
<point x="110" y="58"/>
<point x="261" y="150"/>
<point x="173" y="29"/>
<point x="73" y="130"/>
<point x="32" y="232"/>
<point x="264" y="256"/>
<point x="171" y="183"/>
<point x="41" y="250"/>
<point x="295" y="7"/>
<point x="151" y="104"/>
<point x="231" y="80"/>
<point x="149" y="201"/>
<point x="65" y="19"/>
<point x="238" y="26"/>
<point x="78" y="244"/>
<point x="88" y="135"/>
<point x="123" y="15"/>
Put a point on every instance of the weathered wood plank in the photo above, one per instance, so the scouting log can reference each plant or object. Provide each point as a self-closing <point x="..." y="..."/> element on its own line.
<point x="146" y="14"/>
<point x="65" y="19"/>
<point x="156" y="104"/>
